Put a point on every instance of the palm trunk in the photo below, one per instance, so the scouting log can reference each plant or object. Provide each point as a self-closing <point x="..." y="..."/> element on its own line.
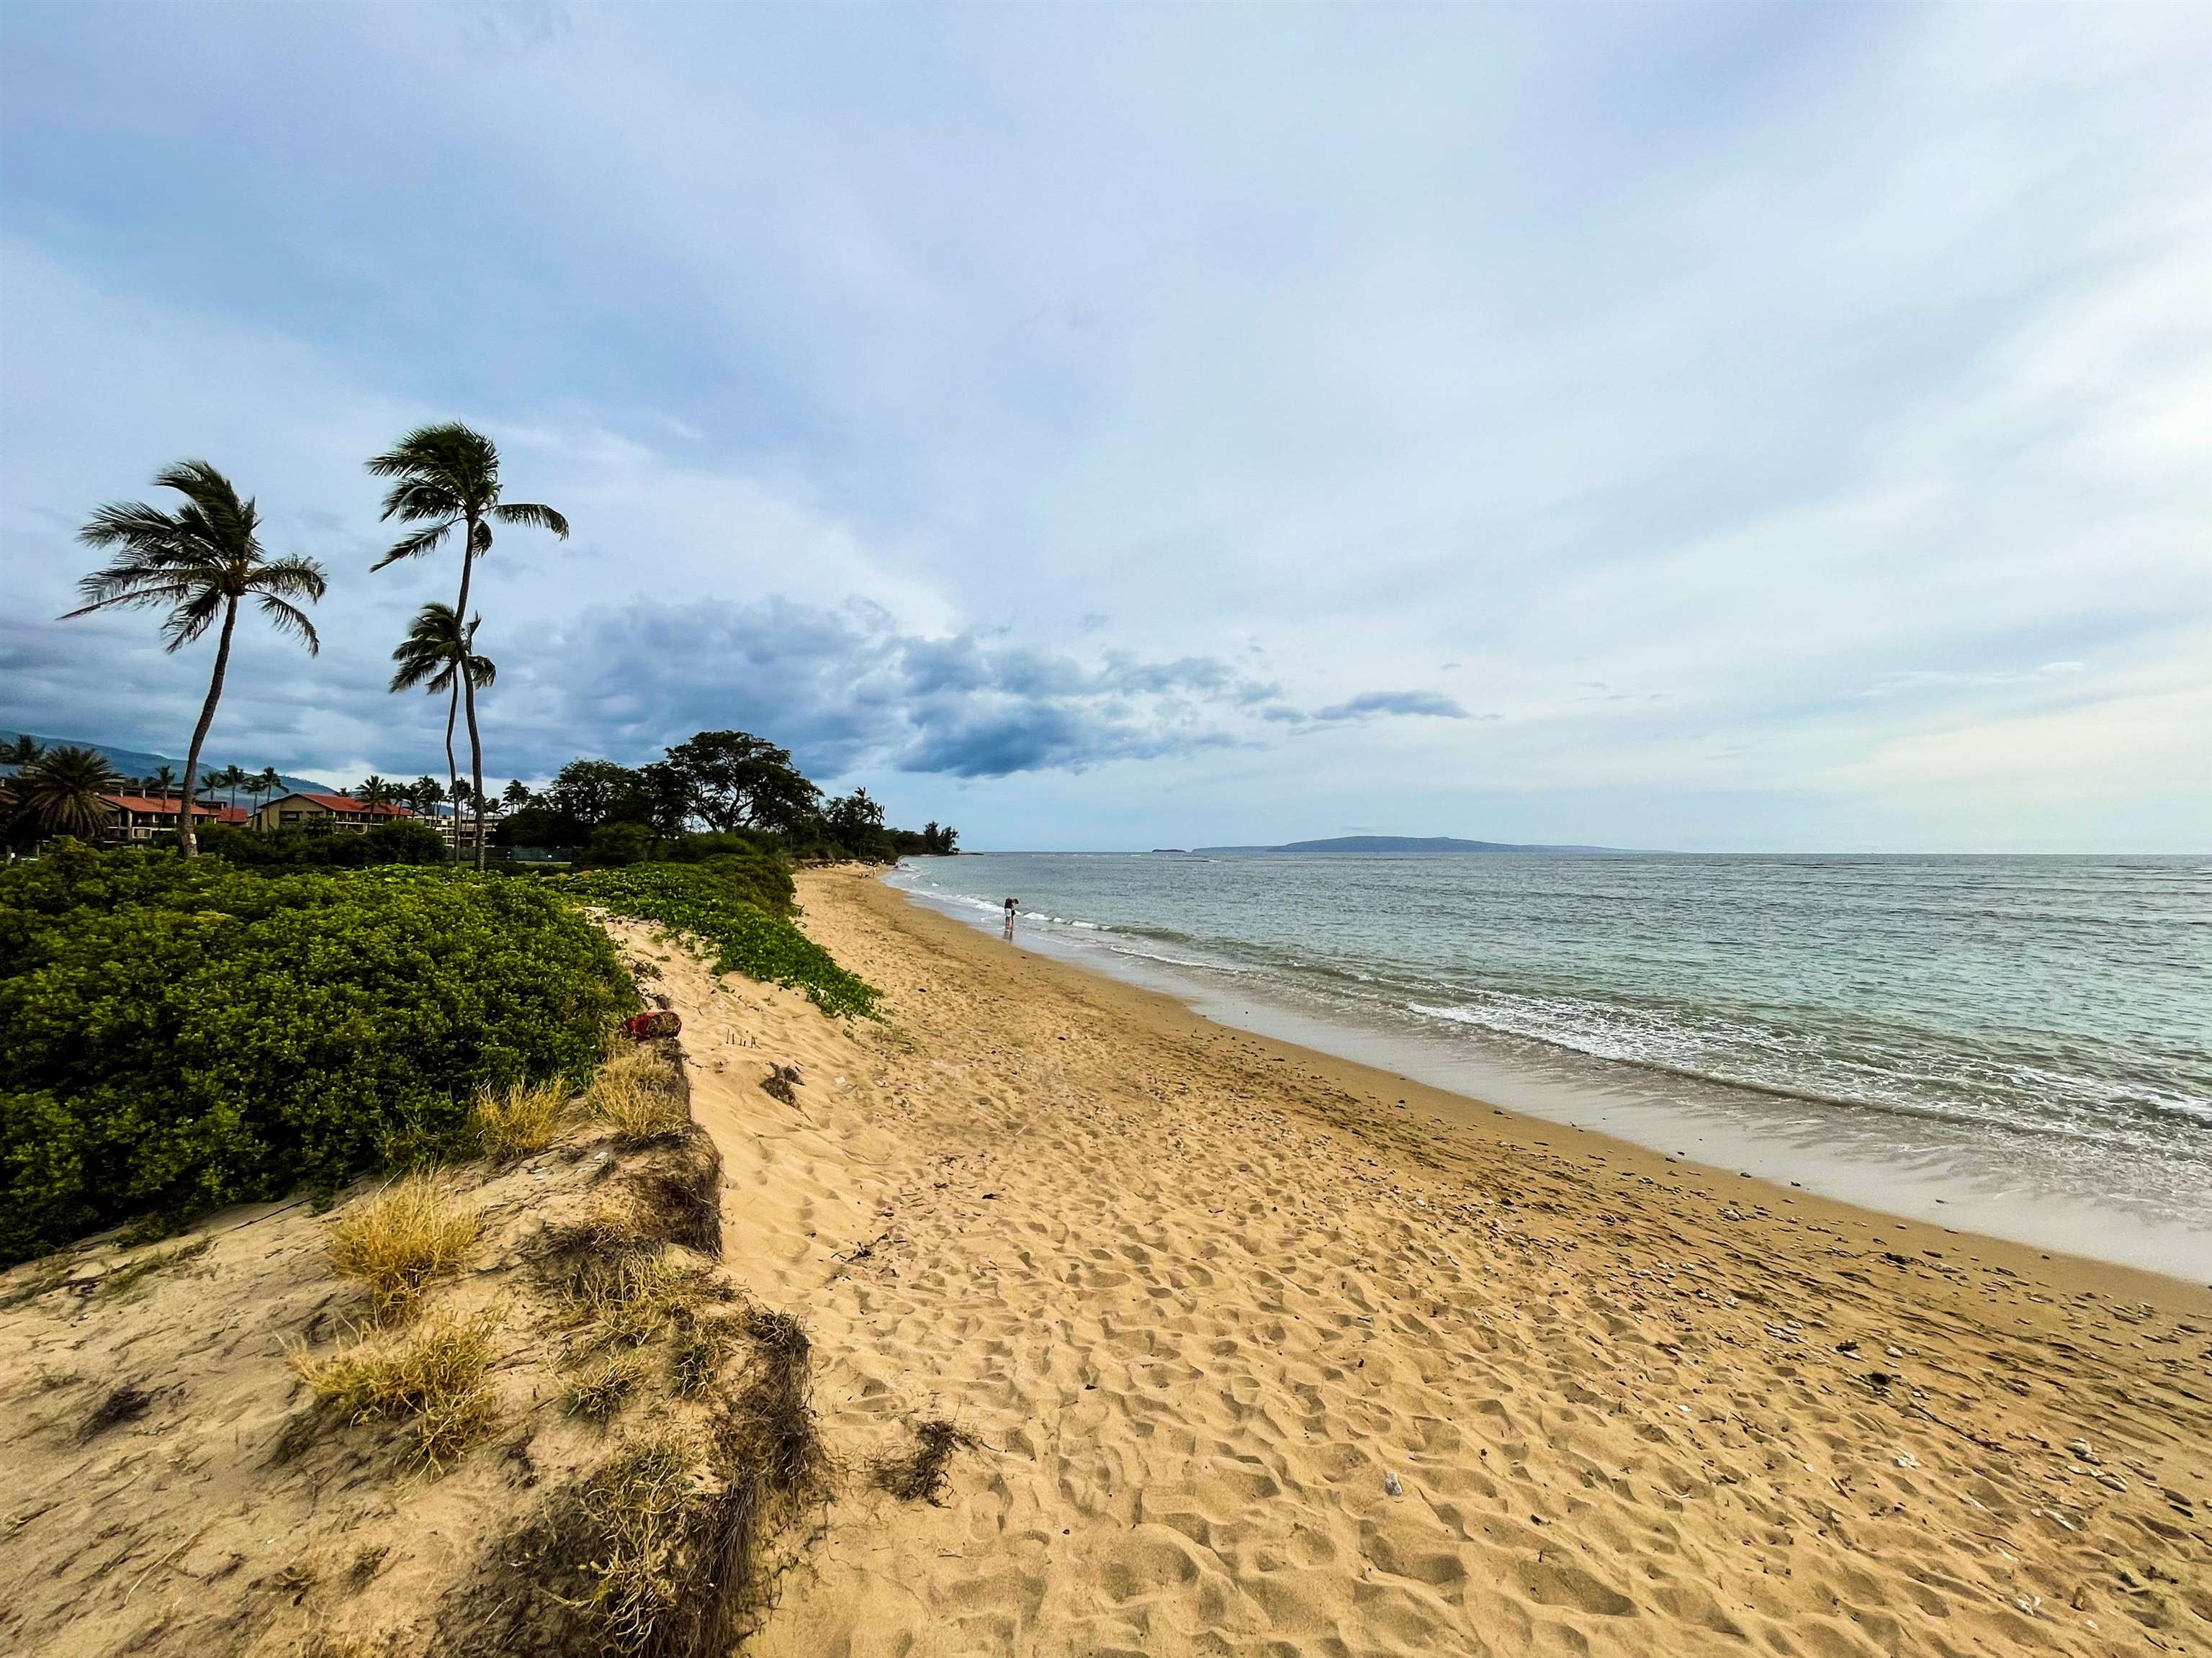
<point x="184" y="835"/>
<point x="469" y="692"/>
<point x="453" y="776"/>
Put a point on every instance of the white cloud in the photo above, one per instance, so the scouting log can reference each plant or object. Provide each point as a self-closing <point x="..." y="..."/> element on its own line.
<point x="1821" y="407"/>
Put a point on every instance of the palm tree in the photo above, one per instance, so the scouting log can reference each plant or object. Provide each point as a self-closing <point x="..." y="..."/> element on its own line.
<point x="430" y="794"/>
<point x="60" y="792"/>
<point x="21" y="751"/>
<point x="199" y="561"/>
<point x="447" y="478"/>
<point x="435" y="645"/>
<point x="373" y="791"/>
<point x="163" y="780"/>
<point x="231" y="778"/>
<point x="515" y="795"/>
<point x="269" y="782"/>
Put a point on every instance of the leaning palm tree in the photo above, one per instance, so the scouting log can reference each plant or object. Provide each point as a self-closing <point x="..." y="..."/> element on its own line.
<point x="430" y="656"/>
<point x="199" y="561"/>
<point x="447" y="479"/>
<point x="59" y="792"/>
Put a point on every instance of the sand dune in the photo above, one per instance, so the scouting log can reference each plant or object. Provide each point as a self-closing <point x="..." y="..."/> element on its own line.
<point x="1205" y="1300"/>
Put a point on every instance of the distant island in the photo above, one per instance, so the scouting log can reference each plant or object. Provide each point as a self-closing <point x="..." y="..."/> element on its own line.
<point x="1387" y="846"/>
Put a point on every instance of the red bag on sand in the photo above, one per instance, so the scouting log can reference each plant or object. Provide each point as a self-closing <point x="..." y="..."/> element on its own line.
<point x="644" y="1027"/>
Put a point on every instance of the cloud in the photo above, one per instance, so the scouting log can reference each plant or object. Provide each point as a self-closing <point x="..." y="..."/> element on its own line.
<point x="845" y="687"/>
<point x="1368" y="704"/>
<point x="1900" y="680"/>
<point x="1737" y="411"/>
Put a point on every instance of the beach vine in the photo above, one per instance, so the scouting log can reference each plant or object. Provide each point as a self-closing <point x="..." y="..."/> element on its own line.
<point x="689" y="900"/>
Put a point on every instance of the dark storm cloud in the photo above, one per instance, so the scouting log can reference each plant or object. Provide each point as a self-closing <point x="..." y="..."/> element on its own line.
<point x="847" y="686"/>
<point x="1368" y="704"/>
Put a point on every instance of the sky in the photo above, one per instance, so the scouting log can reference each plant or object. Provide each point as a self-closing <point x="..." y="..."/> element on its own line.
<point x="1762" y="429"/>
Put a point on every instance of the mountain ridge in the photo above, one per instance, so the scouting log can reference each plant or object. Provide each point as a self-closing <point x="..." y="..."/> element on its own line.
<point x="1397" y="846"/>
<point x="139" y="763"/>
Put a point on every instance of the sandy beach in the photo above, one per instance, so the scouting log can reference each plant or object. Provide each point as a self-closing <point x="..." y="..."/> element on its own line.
<point x="1247" y="1350"/>
<point x="1267" y="1353"/>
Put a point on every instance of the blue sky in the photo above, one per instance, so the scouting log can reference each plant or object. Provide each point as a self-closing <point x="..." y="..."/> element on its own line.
<point x="1735" y="427"/>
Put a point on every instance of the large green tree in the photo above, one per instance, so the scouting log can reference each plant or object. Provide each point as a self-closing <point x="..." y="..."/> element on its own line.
<point x="201" y="561"/>
<point x="434" y="655"/>
<point x="60" y="792"/>
<point x="446" y="479"/>
<point x="737" y="780"/>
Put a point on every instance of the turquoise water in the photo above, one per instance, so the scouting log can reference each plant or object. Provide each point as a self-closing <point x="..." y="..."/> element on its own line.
<point x="2021" y="1023"/>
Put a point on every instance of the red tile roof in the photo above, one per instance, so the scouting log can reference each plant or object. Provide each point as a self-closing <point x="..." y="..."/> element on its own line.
<point x="347" y="803"/>
<point x="169" y="803"/>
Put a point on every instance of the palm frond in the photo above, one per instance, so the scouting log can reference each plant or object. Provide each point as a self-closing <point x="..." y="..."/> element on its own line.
<point x="531" y="515"/>
<point x="292" y="578"/>
<point x="414" y="499"/>
<point x="421" y="540"/>
<point x="291" y="619"/>
<point x="137" y="525"/>
<point x="117" y="587"/>
<point x="192" y="616"/>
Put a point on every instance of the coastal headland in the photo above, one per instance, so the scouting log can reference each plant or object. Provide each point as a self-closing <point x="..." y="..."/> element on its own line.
<point x="1266" y="1351"/>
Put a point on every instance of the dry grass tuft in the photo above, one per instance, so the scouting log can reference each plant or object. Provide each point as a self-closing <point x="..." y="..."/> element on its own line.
<point x="433" y="1380"/>
<point x="521" y="1118"/>
<point x="764" y="1449"/>
<point x="397" y="1240"/>
<point x="333" y="1644"/>
<point x="920" y="1475"/>
<point x="161" y="1261"/>
<point x="126" y="1404"/>
<point x="675" y="1545"/>
<point x="618" y="1278"/>
<point x="697" y="1351"/>
<point x="604" y="1387"/>
<point x="679" y="1186"/>
<point x="638" y="1511"/>
<point x="640" y="1097"/>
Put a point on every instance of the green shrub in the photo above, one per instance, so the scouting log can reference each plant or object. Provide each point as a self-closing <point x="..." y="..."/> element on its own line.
<point x="406" y="841"/>
<point x="612" y="846"/>
<point x="175" y="1034"/>
<point x="710" y="904"/>
<point x="402" y="841"/>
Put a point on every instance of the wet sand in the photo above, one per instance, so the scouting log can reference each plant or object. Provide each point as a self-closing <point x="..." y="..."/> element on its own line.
<point x="1264" y="1351"/>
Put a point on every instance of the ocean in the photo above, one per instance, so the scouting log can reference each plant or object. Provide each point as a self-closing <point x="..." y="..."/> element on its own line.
<point x="2017" y="1046"/>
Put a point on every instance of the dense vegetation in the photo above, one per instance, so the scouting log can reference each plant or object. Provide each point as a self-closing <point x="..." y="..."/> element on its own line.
<point x="403" y="841"/>
<point x="732" y="782"/>
<point x="713" y="902"/>
<point x="175" y="1034"/>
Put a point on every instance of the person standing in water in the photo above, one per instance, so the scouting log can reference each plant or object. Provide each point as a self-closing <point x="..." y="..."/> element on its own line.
<point x="1011" y="904"/>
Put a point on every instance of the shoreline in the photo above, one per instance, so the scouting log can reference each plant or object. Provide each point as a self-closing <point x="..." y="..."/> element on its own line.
<point x="1466" y="1114"/>
<point x="1829" y="1156"/>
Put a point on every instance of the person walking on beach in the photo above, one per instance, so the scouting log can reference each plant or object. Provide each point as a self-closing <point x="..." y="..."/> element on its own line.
<point x="1011" y="905"/>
